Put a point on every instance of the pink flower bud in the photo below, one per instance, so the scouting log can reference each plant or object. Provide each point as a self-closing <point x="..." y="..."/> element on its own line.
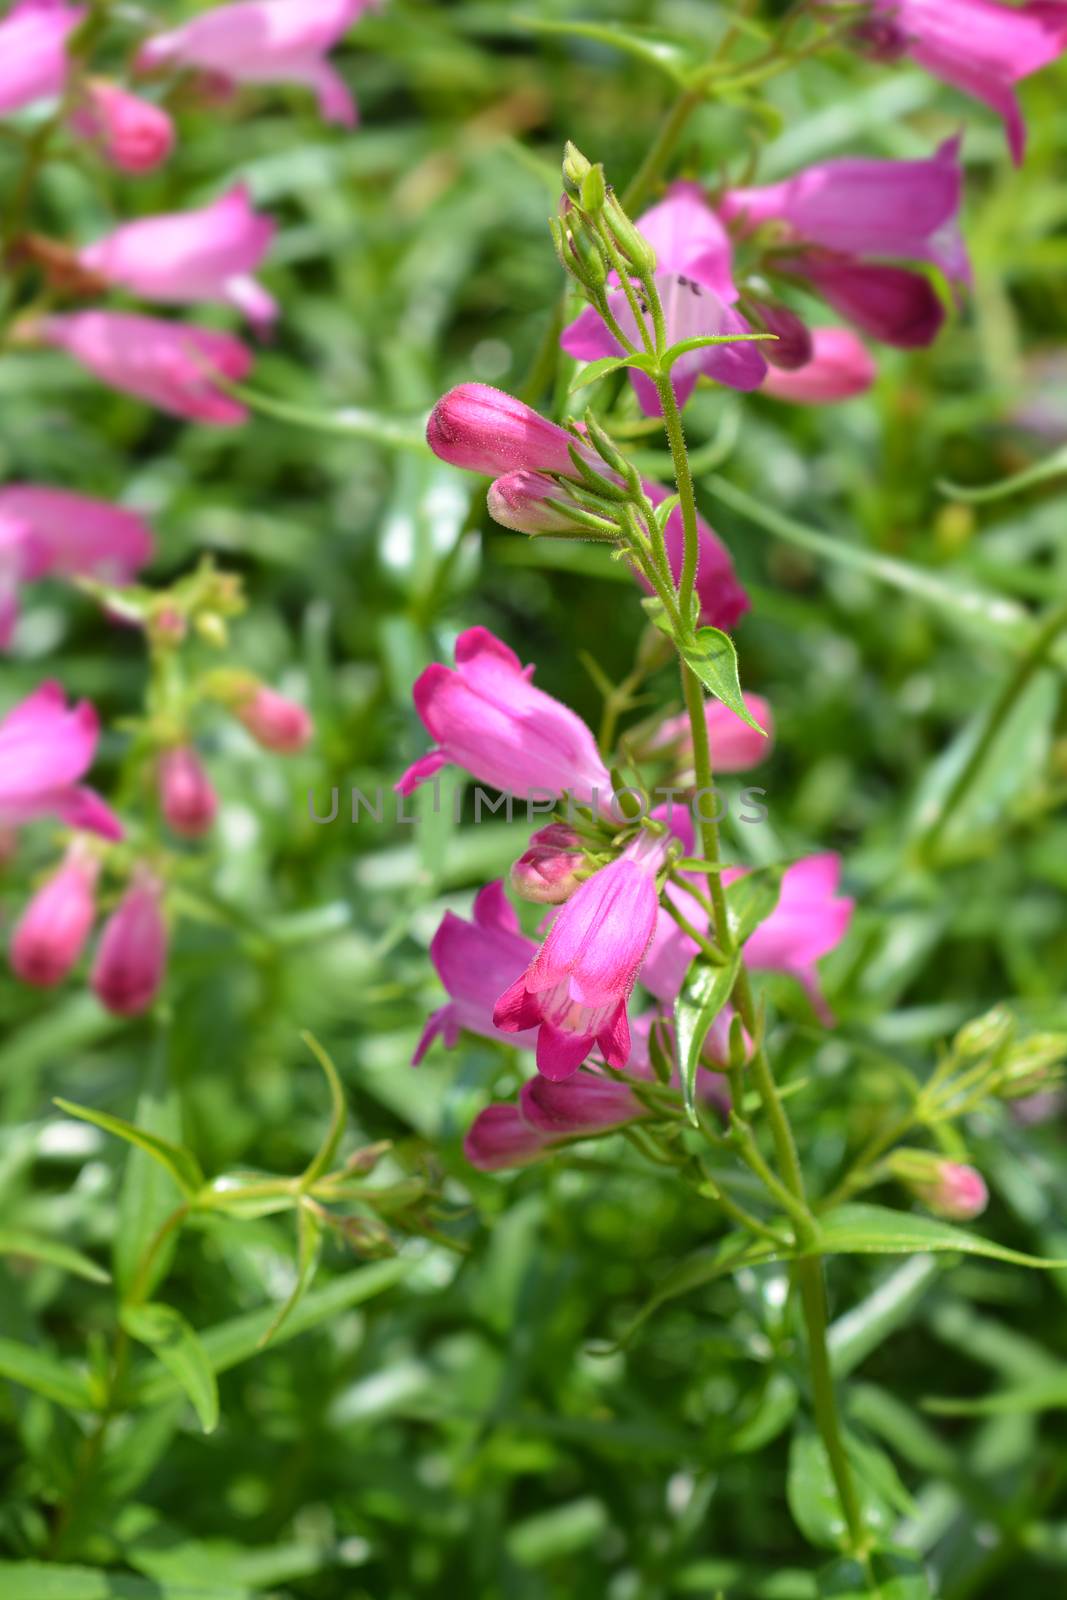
<point x="841" y="366"/>
<point x="547" y="871"/>
<point x="947" y="1188"/>
<point x="580" y="1105"/>
<point x="529" y="502"/>
<point x="52" y="931"/>
<point x="792" y="344"/>
<point x="131" y="134"/>
<point x="485" y="430"/>
<point x="273" y="721"/>
<point x="186" y="796"/>
<point x="501" y="1137"/>
<point x="132" y="953"/>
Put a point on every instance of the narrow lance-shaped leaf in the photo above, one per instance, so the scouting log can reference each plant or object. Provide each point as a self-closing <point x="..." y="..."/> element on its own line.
<point x="713" y="658"/>
<point x="52" y="1253"/>
<point x="45" y="1374"/>
<point x="308" y="1249"/>
<point x="704" y="993"/>
<point x="179" y="1162"/>
<point x="323" y="1160"/>
<point x="173" y="1342"/>
<point x="751" y="899"/>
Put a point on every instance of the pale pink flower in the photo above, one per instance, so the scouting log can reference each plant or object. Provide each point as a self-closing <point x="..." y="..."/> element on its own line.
<point x="130" y="133"/>
<point x="841" y="366"/>
<point x="186" y="256"/>
<point x="187" y="797"/>
<point x="172" y="365"/>
<point x="132" y="954"/>
<point x="273" y="720"/>
<point x="45" y="750"/>
<point x="735" y="746"/>
<point x="33" y="51"/>
<point x="52" y="931"/>
<point x="487" y="717"/>
<point x="265" y="41"/>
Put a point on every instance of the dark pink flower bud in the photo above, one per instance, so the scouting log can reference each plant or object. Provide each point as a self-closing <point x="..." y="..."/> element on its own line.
<point x="547" y="870"/>
<point x="186" y="796"/>
<point x="529" y="502"/>
<point x="947" y="1188"/>
<point x="273" y="721"/>
<point x="841" y="366"/>
<point x="580" y="1105"/>
<point x="792" y="343"/>
<point x="131" y="134"/>
<point x="501" y="1137"/>
<point x="889" y="303"/>
<point x="485" y="430"/>
<point x="52" y="931"/>
<point x="132" y="953"/>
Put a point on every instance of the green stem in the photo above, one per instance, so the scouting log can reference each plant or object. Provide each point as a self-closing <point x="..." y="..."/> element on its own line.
<point x="672" y="422"/>
<point x="1015" y="683"/>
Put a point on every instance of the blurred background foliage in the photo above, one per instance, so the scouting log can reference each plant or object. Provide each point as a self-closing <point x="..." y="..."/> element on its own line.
<point x="450" y="1426"/>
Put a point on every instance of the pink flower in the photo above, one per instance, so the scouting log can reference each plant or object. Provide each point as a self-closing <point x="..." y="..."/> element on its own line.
<point x="186" y="796"/>
<point x="131" y="134"/>
<point x="546" y="872"/>
<point x="840" y="367"/>
<point x="576" y="988"/>
<point x="947" y="1188"/>
<point x="980" y="47"/>
<point x="808" y="922"/>
<point x="54" y="927"/>
<point x="735" y="747"/>
<point x="870" y="209"/>
<point x="265" y="41"/>
<point x="172" y="365"/>
<point x="51" y="531"/>
<point x="132" y="953"/>
<point x="582" y="1104"/>
<point x="894" y="305"/>
<point x="485" y="430"/>
<point x="273" y="720"/>
<point x="693" y="276"/>
<point x="476" y="961"/>
<point x="488" y="718"/>
<point x="792" y="344"/>
<point x="186" y="256"/>
<point x="33" y="51"/>
<point x="723" y="599"/>
<point x="501" y="1137"/>
<point x="45" y="749"/>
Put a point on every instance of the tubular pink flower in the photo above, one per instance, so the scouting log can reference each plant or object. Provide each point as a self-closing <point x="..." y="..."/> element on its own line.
<point x="808" y="922"/>
<point x="274" y="721"/>
<point x="870" y="209"/>
<point x="52" y="931"/>
<point x="187" y="797"/>
<point x="841" y="366"/>
<point x="266" y="41"/>
<point x="45" y="748"/>
<point x="500" y="1137"/>
<point x="723" y="599"/>
<point x="186" y="256"/>
<point x="529" y="502"/>
<point x="475" y="961"/>
<point x="793" y="343"/>
<point x="735" y="747"/>
<point x="33" y="51"/>
<point x="485" y="430"/>
<point x="130" y="133"/>
<point x="978" y="46"/>
<point x="172" y="365"/>
<point x="576" y="989"/>
<point x="546" y="872"/>
<point x="132" y="953"/>
<point x="894" y="305"/>
<point x="488" y="718"/>
<point x="690" y="240"/>
<point x="582" y="1104"/>
<point x="45" y="532"/>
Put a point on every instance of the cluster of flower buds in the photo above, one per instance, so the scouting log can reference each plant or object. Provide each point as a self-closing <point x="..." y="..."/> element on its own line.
<point x="991" y="1054"/>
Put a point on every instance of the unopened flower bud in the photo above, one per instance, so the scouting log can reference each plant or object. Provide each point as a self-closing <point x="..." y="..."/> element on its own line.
<point x="186" y="796"/>
<point x="52" y="931"/>
<point x="132" y="953"/>
<point x="273" y="721"/>
<point x="486" y="430"/>
<point x="593" y="190"/>
<point x="532" y="503"/>
<point x="948" y="1189"/>
<point x="500" y="1137"/>
<point x="1036" y="1064"/>
<point x="167" y="625"/>
<point x="547" y="871"/>
<point x="575" y="169"/>
<point x="631" y="242"/>
<point x="985" y="1034"/>
<point x="131" y="134"/>
<point x="792" y="345"/>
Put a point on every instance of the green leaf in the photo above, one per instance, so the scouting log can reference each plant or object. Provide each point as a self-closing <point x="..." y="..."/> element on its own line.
<point x="32" y="1580"/>
<point x="237" y="1340"/>
<point x="1024" y="1400"/>
<point x="45" y="1374"/>
<point x="669" y="55"/>
<point x="174" y="1343"/>
<point x="149" y="1193"/>
<point x="750" y="900"/>
<point x="704" y="993"/>
<point x="702" y="341"/>
<point x="179" y="1162"/>
<point x="773" y="1412"/>
<point x="308" y="1248"/>
<point x="736" y="1250"/>
<point x="812" y="1493"/>
<point x="36" y="1247"/>
<point x="877" y="1230"/>
<point x="595" y="370"/>
<point x="334" y="1133"/>
<point x="713" y="658"/>
<point x="890" y="1575"/>
<point x="1053" y="466"/>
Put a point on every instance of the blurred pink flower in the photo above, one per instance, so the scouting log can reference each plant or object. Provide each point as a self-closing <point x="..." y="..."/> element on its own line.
<point x="172" y="365"/>
<point x="841" y="366"/>
<point x="488" y="718"/>
<point x="45" y="532"/>
<point x="33" y="51"/>
<point x="273" y="720"/>
<point x="186" y="256"/>
<point x="735" y="747"/>
<point x="500" y="1137"/>
<point x="45" y="749"/>
<point x="52" y="931"/>
<point x="265" y="41"/>
<point x="132" y="954"/>
<point x="130" y="133"/>
<point x="187" y="798"/>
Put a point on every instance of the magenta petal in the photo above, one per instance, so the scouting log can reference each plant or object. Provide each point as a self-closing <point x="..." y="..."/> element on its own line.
<point x="614" y="1040"/>
<point x="516" y="1009"/>
<point x="587" y="337"/>
<point x="560" y="1054"/>
<point x="83" y="808"/>
<point x="441" y="1022"/>
<point x="416" y="775"/>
